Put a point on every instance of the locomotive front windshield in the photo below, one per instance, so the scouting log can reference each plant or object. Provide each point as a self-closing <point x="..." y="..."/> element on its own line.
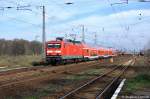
<point x="54" y="46"/>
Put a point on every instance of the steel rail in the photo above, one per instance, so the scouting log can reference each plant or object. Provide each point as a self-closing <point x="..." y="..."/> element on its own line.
<point x="7" y="71"/>
<point x="35" y="78"/>
<point x="101" y="94"/>
<point x="88" y="83"/>
<point x="19" y="70"/>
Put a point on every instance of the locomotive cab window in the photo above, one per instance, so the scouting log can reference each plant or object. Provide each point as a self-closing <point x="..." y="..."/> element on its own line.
<point x="54" y="45"/>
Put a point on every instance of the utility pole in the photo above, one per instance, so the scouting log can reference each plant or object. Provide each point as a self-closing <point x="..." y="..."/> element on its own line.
<point x="95" y="38"/>
<point x="43" y="35"/>
<point x="83" y="34"/>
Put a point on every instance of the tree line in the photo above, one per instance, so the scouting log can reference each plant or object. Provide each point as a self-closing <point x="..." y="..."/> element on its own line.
<point x="20" y="47"/>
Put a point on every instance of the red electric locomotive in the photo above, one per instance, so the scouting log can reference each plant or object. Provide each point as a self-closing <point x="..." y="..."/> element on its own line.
<point x="61" y="50"/>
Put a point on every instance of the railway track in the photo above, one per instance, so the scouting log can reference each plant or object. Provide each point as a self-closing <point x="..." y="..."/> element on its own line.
<point x="101" y="87"/>
<point x="6" y="71"/>
<point x="19" y="70"/>
<point x="44" y="73"/>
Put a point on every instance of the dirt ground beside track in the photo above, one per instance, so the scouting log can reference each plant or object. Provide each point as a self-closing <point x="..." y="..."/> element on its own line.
<point x="137" y="84"/>
<point x="36" y="84"/>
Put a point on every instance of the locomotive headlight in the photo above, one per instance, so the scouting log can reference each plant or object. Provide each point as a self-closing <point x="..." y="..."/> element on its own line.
<point x="49" y="51"/>
<point x="58" y="51"/>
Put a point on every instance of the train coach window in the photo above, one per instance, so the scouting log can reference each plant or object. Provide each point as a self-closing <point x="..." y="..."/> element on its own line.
<point x="87" y="51"/>
<point x="54" y="46"/>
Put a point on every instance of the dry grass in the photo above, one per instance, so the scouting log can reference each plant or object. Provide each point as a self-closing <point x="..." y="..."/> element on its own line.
<point x="18" y="61"/>
<point x="138" y="82"/>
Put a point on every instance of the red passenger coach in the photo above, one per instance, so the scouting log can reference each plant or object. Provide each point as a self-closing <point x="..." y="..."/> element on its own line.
<point x="93" y="54"/>
<point x="90" y="53"/>
<point x="111" y="52"/>
<point x="86" y="53"/>
<point x="101" y="53"/>
<point x="105" y="53"/>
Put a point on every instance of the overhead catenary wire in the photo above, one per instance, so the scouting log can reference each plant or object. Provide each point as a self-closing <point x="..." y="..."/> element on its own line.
<point x="113" y="9"/>
<point x="29" y="5"/>
<point x="19" y="20"/>
<point x="23" y="21"/>
<point x="126" y="26"/>
<point x="119" y="22"/>
<point x="36" y="13"/>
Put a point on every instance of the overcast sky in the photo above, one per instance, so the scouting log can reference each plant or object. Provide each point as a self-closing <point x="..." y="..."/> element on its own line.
<point x="116" y="24"/>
